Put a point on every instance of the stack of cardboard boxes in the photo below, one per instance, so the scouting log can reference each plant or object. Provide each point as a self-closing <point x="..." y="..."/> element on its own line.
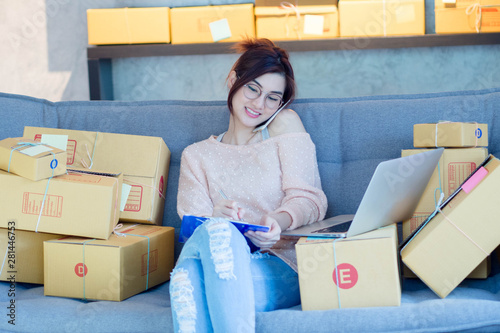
<point x="455" y="240"/>
<point x="465" y="149"/>
<point x="441" y="246"/>
<point x="63" y="194"/>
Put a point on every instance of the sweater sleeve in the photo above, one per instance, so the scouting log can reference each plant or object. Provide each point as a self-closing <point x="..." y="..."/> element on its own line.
<point x="193" y="195"/>
<point x="304" y="198"/>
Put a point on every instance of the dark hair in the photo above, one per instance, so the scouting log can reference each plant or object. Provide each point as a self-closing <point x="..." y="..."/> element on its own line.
<point x="261" y="56"/>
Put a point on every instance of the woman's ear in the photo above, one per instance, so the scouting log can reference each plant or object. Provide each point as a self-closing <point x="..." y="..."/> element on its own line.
<point x="231" y="79"/>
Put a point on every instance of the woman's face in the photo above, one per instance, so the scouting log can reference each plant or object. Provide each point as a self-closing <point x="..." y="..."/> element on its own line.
<point x="255" y="102"/>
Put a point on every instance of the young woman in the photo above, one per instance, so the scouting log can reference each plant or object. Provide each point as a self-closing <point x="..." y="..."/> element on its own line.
<point x="268" y="177"/>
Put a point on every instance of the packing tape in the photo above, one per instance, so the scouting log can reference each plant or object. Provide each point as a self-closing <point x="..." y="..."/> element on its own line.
<point x="291" y="7"/>
<point x="91" y="158"/>
<point x="337" y="280"/>
<point x="463" y="233"/>
<point x="478" y="9"/>
<point x="129" y="34"/>
<point x="83" y="263"/>
<point x="438" y="209"/>
<point x="4" y="257"/>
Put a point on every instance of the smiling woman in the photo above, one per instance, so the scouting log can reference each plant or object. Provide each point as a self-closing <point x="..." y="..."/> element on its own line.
<point x="269" y="172"/>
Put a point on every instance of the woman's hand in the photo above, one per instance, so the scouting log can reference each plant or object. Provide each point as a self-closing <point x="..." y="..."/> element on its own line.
<point x="266" y="240"/>
<point x="228" y="209"/>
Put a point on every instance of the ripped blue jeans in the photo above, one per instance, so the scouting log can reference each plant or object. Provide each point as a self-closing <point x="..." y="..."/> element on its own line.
<point x="218" y="285"/>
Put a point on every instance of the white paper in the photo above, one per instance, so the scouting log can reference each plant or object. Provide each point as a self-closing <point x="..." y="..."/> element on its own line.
<point x="56" y="141"/>
<point x="125" y="192"/>
<point x="313" y="24"/>
<point x="220" y="29"/>
<point x="35" y="150"/>
<point x="405" y="14"/>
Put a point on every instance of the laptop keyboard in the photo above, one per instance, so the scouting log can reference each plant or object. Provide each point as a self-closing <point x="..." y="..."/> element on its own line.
<point x="342" y="227"/>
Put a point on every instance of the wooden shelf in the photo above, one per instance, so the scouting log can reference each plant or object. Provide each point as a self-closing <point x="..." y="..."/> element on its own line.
<point x="154" y="50"/>
<point x="99" y="57"/>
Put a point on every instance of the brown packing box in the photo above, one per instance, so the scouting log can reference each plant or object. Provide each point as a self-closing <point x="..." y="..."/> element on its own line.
<point x="448" y="247"/>
<point x="318" y="19"/>
<point x="23" y="252"/>
<point x="450" y="134"/>
<point x="441" y="4"/>
<point x="128" y="25"/>
<point x="112" y="269"/>
<point x="455" y="165"/>
<point x="209" y="24"/>
<point x="367" y="267"/>
<point x="143" y="160"/>
<point x="31" y="160"/>
<point x="85" y="205"/>
<point x="461" y="20"/>
<point x="360" y="18"/>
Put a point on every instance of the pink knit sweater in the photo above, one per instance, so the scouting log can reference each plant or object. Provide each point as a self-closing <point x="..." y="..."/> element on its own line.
<point x="279" y="174"/>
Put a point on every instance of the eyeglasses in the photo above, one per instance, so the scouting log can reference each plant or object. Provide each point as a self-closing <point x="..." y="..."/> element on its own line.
<point x="253" y="91"/>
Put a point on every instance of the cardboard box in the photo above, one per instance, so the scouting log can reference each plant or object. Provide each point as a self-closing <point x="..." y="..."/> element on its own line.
<point x="453" y="242"/>
<point x="143" y="160"/>
<point x="367" y="268"/>
<point x="128" y="25"/>
<point x="311" y="19"/>
<point x="112" y="269"/>
<point x="86" y="205"/>
<point x="31" y="160"/>
<point x="209" y="24"/>
<point x="459" y="20"/>
<point x="23" y="253"/>
<point x="455" y="165"/>
<point x="360" y="18"/>
<point x="450" y="134"/>
<point x="442" y="4"/>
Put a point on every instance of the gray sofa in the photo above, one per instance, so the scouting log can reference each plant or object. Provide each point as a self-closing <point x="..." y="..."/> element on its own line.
<point x="352" y="135"/>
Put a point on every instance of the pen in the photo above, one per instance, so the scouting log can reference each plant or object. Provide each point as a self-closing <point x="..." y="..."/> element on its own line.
<point x="223" y="195"/>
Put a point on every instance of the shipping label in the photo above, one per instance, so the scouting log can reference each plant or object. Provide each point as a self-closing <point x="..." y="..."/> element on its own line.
<point x="33" y="201"/>
<point x="134" y="199"/>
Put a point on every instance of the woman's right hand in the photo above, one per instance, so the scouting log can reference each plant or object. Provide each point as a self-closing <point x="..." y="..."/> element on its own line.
<point x="228" y="209"/>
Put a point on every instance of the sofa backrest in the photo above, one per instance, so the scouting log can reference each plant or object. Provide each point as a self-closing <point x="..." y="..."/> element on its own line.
<point x="352" y="135"/>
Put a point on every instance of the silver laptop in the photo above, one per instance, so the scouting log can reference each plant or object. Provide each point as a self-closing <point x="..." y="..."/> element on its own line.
<point x="392" y="196"/>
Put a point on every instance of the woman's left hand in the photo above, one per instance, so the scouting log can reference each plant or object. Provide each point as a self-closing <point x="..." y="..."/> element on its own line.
<point x="266" y="240"/>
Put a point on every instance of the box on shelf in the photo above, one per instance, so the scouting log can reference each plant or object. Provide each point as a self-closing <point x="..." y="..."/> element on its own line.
<point x="23" y="253"/>
<point x="209" y="24"/>
<point x="128" y="25"/>
<point x="358" y="264"/>
<point x="31" y="160"/>
<point x="455" y="240"/>
<point x="467" y="19"/>
<point x="361" y="18"/>
<point x="450" y="134"/>
<point x="140" y="257"/>
<point x="80" y="204"/>
<point x="143" y="160"/>
<point x="310" y="19"/>
<point x="442" y="4"/>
